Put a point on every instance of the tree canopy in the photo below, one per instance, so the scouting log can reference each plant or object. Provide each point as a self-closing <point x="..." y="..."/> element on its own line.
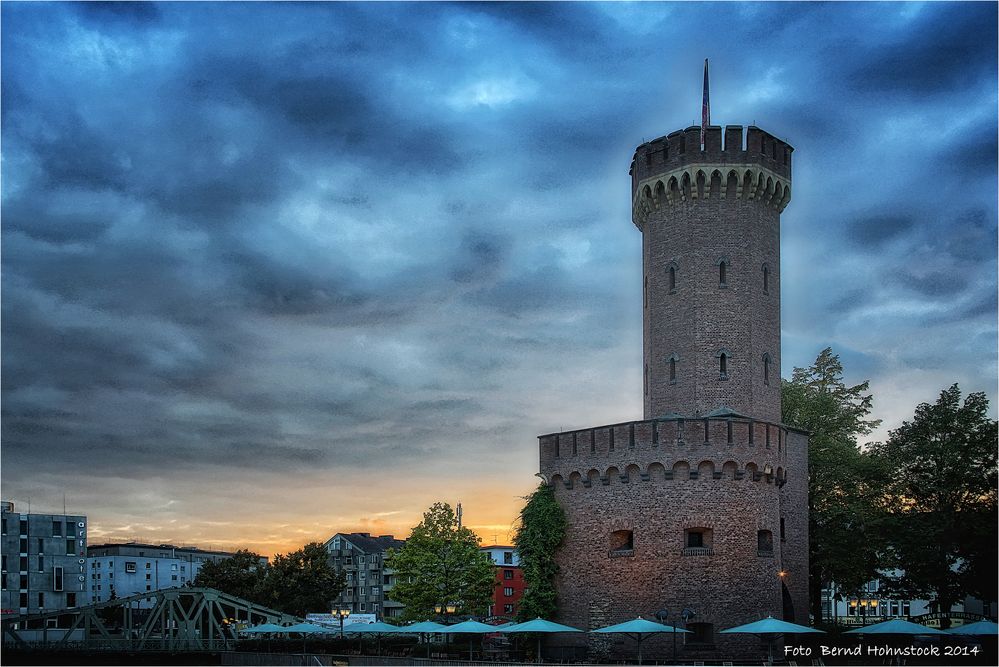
<point x="942" y="500"/>
<point x="844" y="485"/>
<point x="439" y="566"/>
<point x="539" y="534"/>
<point x="298" y="583"/>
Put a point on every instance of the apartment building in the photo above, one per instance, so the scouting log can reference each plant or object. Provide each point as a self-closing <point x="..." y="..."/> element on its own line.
<point x="361" y="558"/>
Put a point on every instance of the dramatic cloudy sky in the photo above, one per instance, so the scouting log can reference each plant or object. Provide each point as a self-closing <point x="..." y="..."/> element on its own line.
<point x="274" y="271"/>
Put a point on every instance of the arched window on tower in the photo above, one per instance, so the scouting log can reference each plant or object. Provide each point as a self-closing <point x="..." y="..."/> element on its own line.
<point x="723" y="272"/>
<point x="672" y="279"/>
<point x="766" y="368"/>
<point x="672" y="368"/>
<point x="723" y="356"/>
<point x="645" y="291"/>
<point x="646" y="379"/>
<point x="766" y="279"/>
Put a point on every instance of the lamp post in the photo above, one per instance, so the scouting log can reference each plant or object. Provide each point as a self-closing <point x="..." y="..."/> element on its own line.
<point x="340" y="613"/>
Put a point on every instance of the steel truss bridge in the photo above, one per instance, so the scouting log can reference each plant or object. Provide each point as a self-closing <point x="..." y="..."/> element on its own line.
<point x="175" y="619"/>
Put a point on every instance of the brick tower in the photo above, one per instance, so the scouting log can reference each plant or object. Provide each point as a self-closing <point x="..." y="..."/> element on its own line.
<point x="702" y="505"/>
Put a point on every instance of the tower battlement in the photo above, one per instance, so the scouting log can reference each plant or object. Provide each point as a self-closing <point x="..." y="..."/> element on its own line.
<point x="683" y="147"/>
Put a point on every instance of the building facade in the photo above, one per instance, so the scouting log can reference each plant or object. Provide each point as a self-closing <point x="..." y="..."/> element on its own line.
<point x="361" y="558"/>
<point x="510" y="583"/>
<point x="701" y="505"/>
<point x="132" y="568"/>
<point x="44" y="561"/>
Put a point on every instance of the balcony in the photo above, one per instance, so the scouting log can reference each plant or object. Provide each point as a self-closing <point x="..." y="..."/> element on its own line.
<point x="698" y="551"/>
<point x="622" y="553"/>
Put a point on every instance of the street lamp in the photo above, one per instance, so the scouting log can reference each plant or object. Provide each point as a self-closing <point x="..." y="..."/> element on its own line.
<point x="340" y="613"/>
<point x="445" y="610"/>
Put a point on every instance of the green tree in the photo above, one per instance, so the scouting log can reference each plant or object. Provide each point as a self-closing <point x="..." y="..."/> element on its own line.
<point x="441" y="565"/>
<point x="541" y="530"/>
<point x="943" y="500"/>
<point x="843" y="483"/>
<point x="241" y="575"/>
<point x="302" y="581"/>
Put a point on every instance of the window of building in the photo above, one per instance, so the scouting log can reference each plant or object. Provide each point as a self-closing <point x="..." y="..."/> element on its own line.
<point x="645" y="292"/>
<point x="722" y="273"/>
<point x="173" y="577"/>
<point x="646" y="379"/>
<point x="700" y="633"/>
<point x="173" y="567"/>
<point x="360" y="606"/>
<point x="783" y="535"/>
<point x="148" y="587"/>
<point x="23" y="600"/>
<point x="24" y="527"/>
<point x="695" y="540"/>
<point x="508" y="592"/>
<point x="22" y="562"/>
<point x="57" y="529"/>
<point x="41" y="546"/>
<point x="70" y="547"/>
<point x="41" y="563"/>
<point x="41" y="600"/>
<point x="24" y="582"/>
<point x="149" y="565"/>
<point x="57" y="578"/>
<point x="130" y="566"/>
<point x="350" y="576"/>
<point x="764" y="542"/>
<point x="360" y="559"/>
<point x="722" y="366"/>
<point x="672" y="279"/>
<point x="766" y="369"/>
<point x="766" y="279"/>
<point x="622" y="542"/>
<point x="3" y="568"/>
<point x="70" y="599"/>
<point x="148" y="576"/>
<point x="508" y="574"/>
<point x="508" y="609"/>
<point x="23" y="545"/>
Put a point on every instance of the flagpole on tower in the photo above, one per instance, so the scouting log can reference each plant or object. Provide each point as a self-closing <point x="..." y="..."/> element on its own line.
<point x="705" y="106"/>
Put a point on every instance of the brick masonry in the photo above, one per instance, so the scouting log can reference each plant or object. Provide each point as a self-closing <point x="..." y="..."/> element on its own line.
<point x="711" y="454"/>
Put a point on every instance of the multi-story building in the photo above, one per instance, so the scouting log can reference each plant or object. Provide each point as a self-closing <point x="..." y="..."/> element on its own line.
<point x="121" y="570"/>
<point x="361" y="558"/>
<point x="873" y="604"/>
<point x="44" y="561"/>
<point x="510" y="585"/>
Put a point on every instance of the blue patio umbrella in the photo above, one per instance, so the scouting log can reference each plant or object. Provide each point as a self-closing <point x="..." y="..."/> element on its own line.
<point x="896" y="626"/>
<point x="538" y="625"/>
<point x="977" y="628"/>
<point x="770" y="627"/>
<point x="377" y="629"/>
<point x="422" y="628"/>
<point x="469" y="628"/>
<point x="638" y="628"/>
<point x="262" y="629"/>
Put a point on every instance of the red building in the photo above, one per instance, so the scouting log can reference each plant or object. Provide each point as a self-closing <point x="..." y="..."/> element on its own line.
<point x="509" y="580"/>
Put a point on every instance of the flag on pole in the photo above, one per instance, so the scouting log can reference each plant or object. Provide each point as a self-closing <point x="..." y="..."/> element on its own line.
<point x="705" y="105"/>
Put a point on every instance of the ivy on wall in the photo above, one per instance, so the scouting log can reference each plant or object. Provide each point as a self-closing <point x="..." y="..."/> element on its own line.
<point x="541" y="529"/>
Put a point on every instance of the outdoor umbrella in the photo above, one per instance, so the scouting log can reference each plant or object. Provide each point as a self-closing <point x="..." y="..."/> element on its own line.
<point x="469" y="628"/>
<point x="770" y="627"/>
<point x="976" y="628"/>
<point x="304" y="629"/>
<point x="637" y="628"/>
<point x="538" y="625"/>
<point x="378" y="629"/>
<point x="260" y="629"/>
<point x="896" y="626"/>
<point x="423" y="628"/>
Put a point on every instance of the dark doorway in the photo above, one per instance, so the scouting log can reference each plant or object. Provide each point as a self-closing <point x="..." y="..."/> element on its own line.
<point x="788" y="603"/>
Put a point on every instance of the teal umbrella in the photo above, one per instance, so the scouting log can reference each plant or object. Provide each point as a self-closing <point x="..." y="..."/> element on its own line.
<point x="265" y="628"/>
<point x="423" y="628"/>
<point x="976" y="628"/>
<point x="769" y="628"/>
<point x="638" y="628"/>
<point x="303" y="628"/>
<point x="378" y="629"/>
<point x="896" y="626"/>
<point x="539" y="625"/>
<point x="469" y="628"/>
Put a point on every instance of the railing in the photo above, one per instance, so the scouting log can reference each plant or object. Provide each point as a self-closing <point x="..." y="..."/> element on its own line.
<point x="765" y="553"/>
<point x="698" y="551"/>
